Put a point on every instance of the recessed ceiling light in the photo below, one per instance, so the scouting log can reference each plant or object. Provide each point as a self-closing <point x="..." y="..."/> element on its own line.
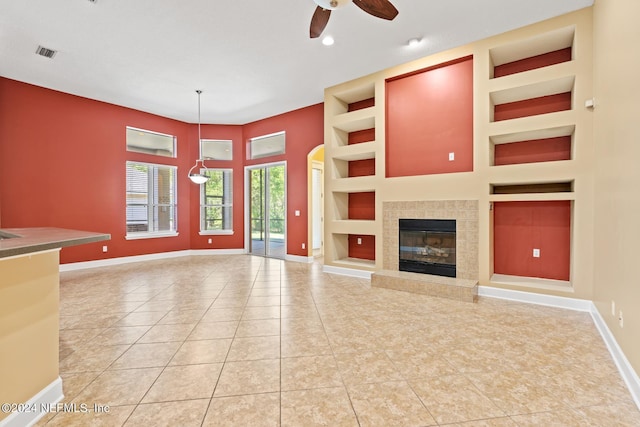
<point x="414" y="42"/>
<point x="328" y="41"/>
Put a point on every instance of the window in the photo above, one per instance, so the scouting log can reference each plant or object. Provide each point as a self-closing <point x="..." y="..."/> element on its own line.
<point x="267" y="145"/>
<point x="214" y="149"/>
<point x="151" y="200"/>
<point x="144" y="141"/>
<point x="216" y="202"/>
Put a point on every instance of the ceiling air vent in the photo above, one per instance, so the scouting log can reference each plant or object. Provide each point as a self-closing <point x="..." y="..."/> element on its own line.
<point x="43" y="51"/>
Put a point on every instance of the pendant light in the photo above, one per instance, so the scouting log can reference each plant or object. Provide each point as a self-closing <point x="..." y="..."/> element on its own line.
<point x="198" y="177"/>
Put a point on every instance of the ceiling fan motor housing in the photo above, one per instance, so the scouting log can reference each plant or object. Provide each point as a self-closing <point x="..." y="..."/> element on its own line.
<point x="332" y="4"/>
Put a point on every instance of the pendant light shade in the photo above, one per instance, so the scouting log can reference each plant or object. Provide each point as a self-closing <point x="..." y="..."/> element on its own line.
<point x="197" y="176"/>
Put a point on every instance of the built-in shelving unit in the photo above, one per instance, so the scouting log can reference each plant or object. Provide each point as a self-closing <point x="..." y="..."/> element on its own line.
<point x="532" y="148"/>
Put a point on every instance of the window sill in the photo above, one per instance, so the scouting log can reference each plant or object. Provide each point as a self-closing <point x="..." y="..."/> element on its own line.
<point x="138" y="236"/>
<point x="216" y="232"/>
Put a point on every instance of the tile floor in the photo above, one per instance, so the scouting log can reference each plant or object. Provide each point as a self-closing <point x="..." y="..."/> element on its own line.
<point x="246" y="341"/>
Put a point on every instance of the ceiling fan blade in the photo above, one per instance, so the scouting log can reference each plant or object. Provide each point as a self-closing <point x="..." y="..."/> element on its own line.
<point x="319" y="22"/>
<point x="379" y="8"/>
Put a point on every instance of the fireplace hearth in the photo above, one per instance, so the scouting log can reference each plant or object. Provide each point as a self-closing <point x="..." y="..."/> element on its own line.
<point x="428" y="246"/>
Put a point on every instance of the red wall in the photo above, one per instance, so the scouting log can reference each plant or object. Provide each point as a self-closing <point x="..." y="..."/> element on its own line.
<point x="538" y="150"/>
<point x="539" y="61"/>
<point x="367" y="250"/>
<point x="62" y="161"/>
<point x="519" y="227"/>
<point x="235" y="241"/>
<point x="73" y="152"/>
<point x="366" y="135"/>
<point x="360" y="105"/>
<point x="304" y="131"/>
<point x="532" y="107"/>
<point x="429" y="115"/>
<point x="362" y="205"/>
<point x="364" y="167"/>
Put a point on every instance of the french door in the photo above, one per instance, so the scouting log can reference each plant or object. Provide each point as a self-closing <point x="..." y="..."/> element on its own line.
<point x="266" y="228"/>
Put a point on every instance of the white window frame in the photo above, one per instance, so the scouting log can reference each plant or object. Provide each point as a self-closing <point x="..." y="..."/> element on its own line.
<point x="174" y="150"/>
<point x="258" y="140"/>
<point x="133" y="235"/>
<point x="228" y="142"/>
<point x="203" y="205"/>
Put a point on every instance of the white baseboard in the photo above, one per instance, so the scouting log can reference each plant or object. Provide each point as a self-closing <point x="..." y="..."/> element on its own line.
<point x="533" y="298"/>
<point x="299" y="258"/>
<point x="148" y="257"/>
<point x="46" y="398"/>
<point x="626" y="370"/>
<point x="352" y="272"/>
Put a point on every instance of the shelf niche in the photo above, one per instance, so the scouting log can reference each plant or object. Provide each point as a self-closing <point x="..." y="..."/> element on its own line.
<point x="540" y="51"/>
<point x="547" y="187"/>
<point x="544" y="145"/>
<point x="362" y="205"/>
<point x="520" y="227"/>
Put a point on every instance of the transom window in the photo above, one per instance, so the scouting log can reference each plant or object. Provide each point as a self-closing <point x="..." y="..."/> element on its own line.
<point x="267" y="145"/>
<point x="144" y="141"/>
<point x="151" y="200"/>
<point x="216" y="202"/>
<point x="216" y="149"/>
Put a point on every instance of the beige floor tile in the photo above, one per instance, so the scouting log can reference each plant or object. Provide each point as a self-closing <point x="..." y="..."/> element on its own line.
<point x="202" y="351"/>
<point x="249" y="377"/>
<point x="364" y="368"/>
<point x="213" y="330"/>
<point x="299" y="373"/>
<point x="469" y="364"/>
<point x="268" y="312"/>
<point x="415" y="364"/>
<point x="123" y="387"/>
<point x="121" y="335"/>
<point x="259" y="410"/>
<point x="317" y="407"/>
<point x="388" y="404"/>
<point x="92" y="358"/>
<point x="315" y="344"/>
<point x="254" y="348"/>
<point x="147" y="355"/>
<point x="259" y="327"/>
<point x="624" y="413"/>
<point x="116" y="416"/>
<point x="516" y="392"/>
<point x="166" y="333"/>
<point x="184" y="383"/>
<point x="222" y="314"/>
<point x="453" y="398"/>
<point x="189" y="413"/>
<point x="177" y="316"/>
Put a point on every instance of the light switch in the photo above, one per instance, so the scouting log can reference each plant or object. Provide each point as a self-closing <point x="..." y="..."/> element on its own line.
<point x="297" y="213"/>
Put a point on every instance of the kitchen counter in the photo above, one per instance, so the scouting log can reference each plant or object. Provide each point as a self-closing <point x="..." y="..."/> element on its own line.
<point x="29" y="319"/>
<point x="20" y="241"/>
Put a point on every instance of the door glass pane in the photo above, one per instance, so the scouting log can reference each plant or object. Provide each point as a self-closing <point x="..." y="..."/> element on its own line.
<point x="257" y="205"/>
<point x="276" y="212"/>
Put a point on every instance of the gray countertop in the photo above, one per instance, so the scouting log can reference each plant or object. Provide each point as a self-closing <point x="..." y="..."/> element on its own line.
<point x="20" y="241"/>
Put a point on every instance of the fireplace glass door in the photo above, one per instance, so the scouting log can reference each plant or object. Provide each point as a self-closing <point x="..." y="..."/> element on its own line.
<point x="428" y="247"/>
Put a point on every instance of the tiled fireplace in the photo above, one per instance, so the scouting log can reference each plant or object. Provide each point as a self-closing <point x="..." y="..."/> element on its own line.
<point x="465" y="214"/>
<point x="427" y="248"/>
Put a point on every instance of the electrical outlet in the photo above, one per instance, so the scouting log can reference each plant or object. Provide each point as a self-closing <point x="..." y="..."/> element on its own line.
<point x="621" y="319"/>
<point x="210" y="241"/>
<point x="452" y="156"/>
<point x="104" y="248"/>
<point x="304" y="246"/>
<point x="613" y="308"/>
<point x="536" y="253"/>
<point x="359" y="240"/>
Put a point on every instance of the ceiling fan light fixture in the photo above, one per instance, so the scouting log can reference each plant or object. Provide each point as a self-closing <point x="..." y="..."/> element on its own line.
<point x="328" y="40"/>
<point x="332" y="4"/>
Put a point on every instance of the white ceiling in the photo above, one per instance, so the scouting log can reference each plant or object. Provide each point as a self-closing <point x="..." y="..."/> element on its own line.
<point x="252" y="58"/>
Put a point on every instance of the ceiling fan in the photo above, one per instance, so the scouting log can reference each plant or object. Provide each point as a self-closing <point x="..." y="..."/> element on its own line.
<point x="378" y="8"/>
